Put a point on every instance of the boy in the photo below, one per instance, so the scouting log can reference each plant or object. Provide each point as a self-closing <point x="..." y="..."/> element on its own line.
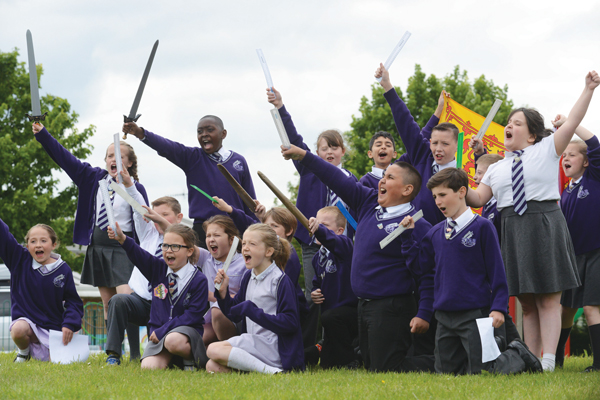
<point x="200" y="168"/>
<point x="469" y="281"/>
<point x="380" y="278"/>
<point x="331" y="287"/>
<point x="428" y="157"/>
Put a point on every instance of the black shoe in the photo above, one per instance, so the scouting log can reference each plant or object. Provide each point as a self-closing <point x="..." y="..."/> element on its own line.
<point x="591" y="368"/>
<point x="22" y="358"/>
<point x="354" y="365"/>
<point x="501" y="342"/>
<point x="532" y="363"/>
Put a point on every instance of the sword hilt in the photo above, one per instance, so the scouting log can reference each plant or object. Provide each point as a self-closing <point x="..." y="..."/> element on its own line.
<point x="37" y="118"/>
<point x="127" y="119"/>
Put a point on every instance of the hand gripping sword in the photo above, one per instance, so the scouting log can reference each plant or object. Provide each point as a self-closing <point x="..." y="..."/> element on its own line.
<point x="133" y="115"/>
<point x="36" y="109"/>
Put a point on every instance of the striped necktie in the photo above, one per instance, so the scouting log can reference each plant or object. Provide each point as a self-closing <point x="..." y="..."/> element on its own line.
<point x="450" y="229"/>
<point x="173" y="285"/>
<point x="332" y="198"/>
<point x="102" y="221"/>
<point x="518" y="183"/>
<point x="216" y="157"/>
<point x="158" y="253"/>
<point x="435" y="168"/>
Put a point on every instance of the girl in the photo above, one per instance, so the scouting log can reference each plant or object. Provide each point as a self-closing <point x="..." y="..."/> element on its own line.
<point x="579" y="203"/>
<point x="220" y="231"/>
<point x="105" y="266"/>
<point x="266" y="305"/>
<point x="179" y="299"/>
<point x="536" y="247"/>
<point x="42" y="292"/>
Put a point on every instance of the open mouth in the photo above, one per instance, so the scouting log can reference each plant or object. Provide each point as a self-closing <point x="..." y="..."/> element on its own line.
<point x="214" y="248"/>
<point x="382" y="155"/>
<point x="247" y="258"/>
<point x="170" y="259"/>
<point x="567" y="166"/>
<point x="438" y="157"/>
<point x="39" y="253"/>
<point x="382" y="190"/>
<point x="508" y="135"/>
<point x="113" y="168"/>
<point x="443" y="210"/>
<point x="330" y="159"/>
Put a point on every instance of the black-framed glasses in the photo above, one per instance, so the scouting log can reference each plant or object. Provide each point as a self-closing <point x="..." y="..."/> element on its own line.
<point x="174" y="247"/>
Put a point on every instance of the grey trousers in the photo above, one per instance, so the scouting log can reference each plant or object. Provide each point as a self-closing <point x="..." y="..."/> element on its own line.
<point x="308" y="252"/>
<point x="124" y="309"/>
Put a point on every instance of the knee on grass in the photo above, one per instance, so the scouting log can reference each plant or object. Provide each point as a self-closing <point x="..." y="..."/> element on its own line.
<point x="178" y="344"/>
<point x="219" y="352"/>
<point x="20" y="330"/>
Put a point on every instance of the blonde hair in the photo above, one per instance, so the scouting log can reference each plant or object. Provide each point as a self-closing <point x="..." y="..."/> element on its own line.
<point x="488" y="159"/>
<point x="48" y="228"/>
<point x="340" y="220"/>
<point x="582" y="147"/>
<point x="281" y="246"/>
<point x="332" y="137"/>
<point x="171" y="202"/>
<point x="189" y="238"/>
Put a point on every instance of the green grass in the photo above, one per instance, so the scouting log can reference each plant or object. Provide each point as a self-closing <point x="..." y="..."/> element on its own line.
<point x="94" y="380"/>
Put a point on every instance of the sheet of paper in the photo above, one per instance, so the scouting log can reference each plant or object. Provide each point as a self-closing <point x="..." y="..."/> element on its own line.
<point x="489" y="347"/>
<point x="103" y="188"/>
<point x="265" y="67"/>
<point x="118" y="156"/>
<point x="388" y="63"/>
<point x="130" y="200"/>
<point x="76" y="351"/>
<point x="285" y="140"/>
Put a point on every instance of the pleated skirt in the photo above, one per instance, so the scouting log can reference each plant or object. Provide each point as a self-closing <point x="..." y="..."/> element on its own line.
<point x="106" y="264"/>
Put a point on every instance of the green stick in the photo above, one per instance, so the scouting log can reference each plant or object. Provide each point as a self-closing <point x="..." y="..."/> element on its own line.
<point x="204" y="193"/>
<point x="461" y="138"/>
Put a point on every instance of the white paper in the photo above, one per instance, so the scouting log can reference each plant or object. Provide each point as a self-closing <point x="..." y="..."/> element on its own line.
<point x="265" y="67"/>
<point x="388" y="63"/>
<point x="489" y="118"/>
<point x="76" y="351"/>
<point x="103" y="188"/>
<point x="285" y="140"/>
<point x="118" y="158"/>
<point x="227" y="262"/>
<point x="398" y="231"/>
<point x="489" y="347"/>
<point x="121" y="192"/>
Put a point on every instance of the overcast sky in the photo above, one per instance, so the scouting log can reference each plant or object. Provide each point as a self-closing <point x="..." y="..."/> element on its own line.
<point x="322" y="56"/>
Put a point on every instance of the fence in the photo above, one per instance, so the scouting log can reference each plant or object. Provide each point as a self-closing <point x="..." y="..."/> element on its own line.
<point x="93" y="325"/>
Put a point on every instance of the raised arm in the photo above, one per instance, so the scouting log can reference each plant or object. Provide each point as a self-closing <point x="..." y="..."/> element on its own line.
<point x="11" y="252"/>
<point x="144" y="261"/>
<point x="479" y="197"/>
<point x="341" y="246"/>
<point x="435" y="118"/>
<point x="583" y="133"/>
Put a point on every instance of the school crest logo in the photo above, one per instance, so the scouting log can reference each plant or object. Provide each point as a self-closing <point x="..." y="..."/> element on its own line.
<point x="186" y="301"/>
<point x="582" y="193"/>
<point x="160" y="291"/>
<point x="391" y="227"/>
<point x="238" y="166"/>
<point x="59" y="281"/>
<point x="491" y="217"/>
<point x="330" y="268"/>
<point x="468" y="240"/>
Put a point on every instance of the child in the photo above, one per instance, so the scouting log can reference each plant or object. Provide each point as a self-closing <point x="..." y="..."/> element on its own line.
<point x="312" y="193"/>
<point x="469" y="281"/>
<point x="332" y="288"/>
<point x="132" y="310"/>
<point x="428" y="157"/>
<point x="380" y="278"/>
<point x="581" y="163"/>
<point x="180" y="299"/>
<point x="42" y="292"/>
<point x="536" y="245"/>
<point x="200" y="167"/>
<point x="267" y="307"/>
<point x="106" y="264"/>
<point x="489" y="210"/>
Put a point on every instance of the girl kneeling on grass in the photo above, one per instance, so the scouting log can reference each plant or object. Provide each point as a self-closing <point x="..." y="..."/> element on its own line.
<point x="179" y="299"/>
<point x="42" y="292"/>
<point x="267" y="306"/>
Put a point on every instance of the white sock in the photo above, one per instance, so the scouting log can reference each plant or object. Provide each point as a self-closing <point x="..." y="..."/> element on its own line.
<point x="244" y="361"/>
<point x="548" y="362"/>
<point x="24" y="352"/>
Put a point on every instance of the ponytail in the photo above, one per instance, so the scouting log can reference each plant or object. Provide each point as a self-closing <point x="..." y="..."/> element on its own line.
<point x="281" y="246"/>
<point x="282" y="253"/>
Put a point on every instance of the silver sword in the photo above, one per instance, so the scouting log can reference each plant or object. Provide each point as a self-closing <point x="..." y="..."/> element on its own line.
<point x="133" y="116"/>
<point x="36" y="109"/>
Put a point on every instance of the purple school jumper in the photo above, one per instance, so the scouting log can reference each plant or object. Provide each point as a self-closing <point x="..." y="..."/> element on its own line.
<point x="312" y="193"/>
<point x="376" y="273"/>
<point x="581" y="203"/>
<point x="285" y="324"/>
<point x="332" y="272"/>
<point x="86" y="178"/>
<point x="201" y="170"/>
<point x="469" y="272"/>
<point x="36" y="295"/>
<point x="190" y="305"/>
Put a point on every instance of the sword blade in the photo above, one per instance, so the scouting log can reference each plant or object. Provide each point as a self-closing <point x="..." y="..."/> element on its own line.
<point x="36" y="109"/>
<point x="140" y="91"/>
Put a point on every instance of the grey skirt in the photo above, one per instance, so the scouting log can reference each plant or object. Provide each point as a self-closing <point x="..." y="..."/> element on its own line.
<point x="106" y="264"/>
<point x="196" y="343"/>
<point x="537" y="250"/>
<point x="588" y="294"/>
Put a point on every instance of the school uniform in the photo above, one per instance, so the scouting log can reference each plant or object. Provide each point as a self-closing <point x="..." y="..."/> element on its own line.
<point x="181" y="311"/>
<point x="380" y="278"/>
<point x="105" y="262"/>
<point x="339" y="315"/>
<point x="42" y="295"/>
<point x="267" y="307"/>
<point x="201" y="170"/>
<point x="469" y="283"/>
<point x="536" y="246"/>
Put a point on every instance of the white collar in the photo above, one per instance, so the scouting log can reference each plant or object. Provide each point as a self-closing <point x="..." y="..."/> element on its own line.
<point x="263" y="274"/>
<point x="183" y="273"/>
<point x="377" y="171"/>
<point x="397" y="209"/>
<point x="573" y="183"/>
<point x="444" y="166"/>
<point x="49" y="267"/>
<point x="223" y="152"/>
<point x="464" y="219"/>
<point x="490" y="203"/>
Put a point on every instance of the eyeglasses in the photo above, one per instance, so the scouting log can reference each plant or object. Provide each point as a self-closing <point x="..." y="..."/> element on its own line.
<point x="174" y="247"/>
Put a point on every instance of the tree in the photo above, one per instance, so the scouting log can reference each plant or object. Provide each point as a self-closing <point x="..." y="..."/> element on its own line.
<point x="421" y="98"/>
<point x="27" y="188"/>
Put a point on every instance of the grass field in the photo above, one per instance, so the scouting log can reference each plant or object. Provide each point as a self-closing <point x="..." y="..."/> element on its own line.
<point x="94" y="380"/>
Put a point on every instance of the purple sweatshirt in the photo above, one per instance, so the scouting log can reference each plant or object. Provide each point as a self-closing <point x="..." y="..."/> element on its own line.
<point x="189" y="306"/>
<point x="332" y="272"/>
<point x="201" y="170"/>
<point x="469" y="272"/>
<point x="285" y="324"/>
<point x="86" y="178"/>
<point x="581" y="204"/>
<point x="312" y="193"/>
<point x="38" y="296"/>
<point x="376" y="273"/>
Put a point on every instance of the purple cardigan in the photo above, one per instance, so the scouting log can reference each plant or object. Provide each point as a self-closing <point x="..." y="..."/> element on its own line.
<point x="86" y="178"/>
